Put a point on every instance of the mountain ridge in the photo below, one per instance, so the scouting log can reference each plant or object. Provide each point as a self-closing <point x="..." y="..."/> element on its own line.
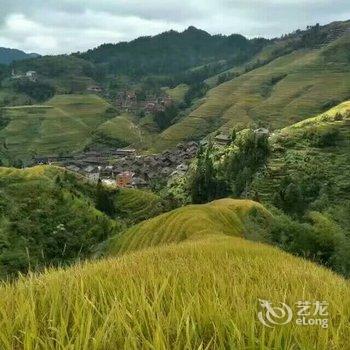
<point x="8" y="55"/>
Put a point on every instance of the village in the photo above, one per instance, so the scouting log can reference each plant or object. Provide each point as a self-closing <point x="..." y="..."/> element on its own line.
<point x="128" y="101"/>
<point x="124" y="168"/>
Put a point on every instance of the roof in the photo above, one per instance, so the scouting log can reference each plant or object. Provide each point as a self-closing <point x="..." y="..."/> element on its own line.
<point x="126" y="173"/>
<point x="262" y="131"/>
<point x="222" y="137"/>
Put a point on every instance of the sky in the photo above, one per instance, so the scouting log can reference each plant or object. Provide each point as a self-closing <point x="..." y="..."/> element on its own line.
<point x="65" y="26"/>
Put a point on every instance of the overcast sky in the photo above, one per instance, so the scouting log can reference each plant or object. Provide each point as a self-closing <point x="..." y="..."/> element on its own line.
<point x="64" y="26"/>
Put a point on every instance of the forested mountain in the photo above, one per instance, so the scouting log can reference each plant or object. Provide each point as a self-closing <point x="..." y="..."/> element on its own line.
<point x="172" y="52"/>
<point x="217" y="82"/>
<point x="8" y="56"/>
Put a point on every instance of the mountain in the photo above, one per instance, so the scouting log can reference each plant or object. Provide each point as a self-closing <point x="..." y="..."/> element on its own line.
<point x="8" y="56"/>
<point x="217" y="82"/>
<point x="172" y="52"/>
<point x="183" y="295"/>
<point x="294" y="77"/>
<point x="261" y="220"/>
<point x="300" y="173"/>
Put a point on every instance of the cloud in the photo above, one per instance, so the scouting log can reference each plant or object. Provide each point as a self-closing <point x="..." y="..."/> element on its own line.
<point x="51" y="27"/>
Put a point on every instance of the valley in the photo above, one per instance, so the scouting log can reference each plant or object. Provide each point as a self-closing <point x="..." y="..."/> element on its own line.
<point x="159" y="193"/>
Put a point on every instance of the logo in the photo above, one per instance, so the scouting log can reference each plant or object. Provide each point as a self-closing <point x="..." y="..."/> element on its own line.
<point x="276" y="315"/>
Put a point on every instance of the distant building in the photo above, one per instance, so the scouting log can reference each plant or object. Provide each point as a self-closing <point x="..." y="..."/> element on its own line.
<point x="124" y="152"/>
<point x="138" y="182"/>
<point x="46" y="159"/>
<point x="90" y="169"/>
<point x="94" y="88"/>
<point x="93" y="177"/>
<point x="222" y="139"/>
<point x="31" y="75"/>
<point x="124" y="179"/>
<point x="73" y="168"/>
<point x="262" y="132"/>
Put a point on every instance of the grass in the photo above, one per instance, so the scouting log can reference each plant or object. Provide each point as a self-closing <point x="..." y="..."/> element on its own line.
<point x="178" y="93"/>
<point x="63" y="124"/>
<point x="280" y="93"/>
<point x="201" y="293"/>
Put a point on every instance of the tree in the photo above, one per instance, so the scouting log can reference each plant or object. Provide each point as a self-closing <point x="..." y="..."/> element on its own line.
<point x="206" y="185"/>
<point x="164" y="118"/>
<point x="104" y="201"/>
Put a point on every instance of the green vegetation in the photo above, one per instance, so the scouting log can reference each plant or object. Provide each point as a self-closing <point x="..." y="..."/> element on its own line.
<point x="221" y="172"/>
<point x="165" y="118"/>
<point x="137" y="205"/>
<point x="67" y="74"/>
<point x="48" y="217"/>
<point x="200" y="293"/>
<point x="287" y="86"/>
<point x="38" y="91"/>
<point x="190" y="278"/>
<point x="307" y="177"/>
<point x="303" y="171"/>
<point x="178" y="92"/>
<point x="8" y="56"/>
<point x="171" y="53"/>
<point x="311" y="158"/>
<point x="121" y="131"/>
<point x="63" y="125"/>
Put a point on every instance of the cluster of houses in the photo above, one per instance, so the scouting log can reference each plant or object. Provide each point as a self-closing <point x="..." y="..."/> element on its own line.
<point x="224" y="139"/>
<point x="124" y="168"/>
<point x="139" y="171"/>
<point x="128" y="102"/>
<point x="30" y="75"/>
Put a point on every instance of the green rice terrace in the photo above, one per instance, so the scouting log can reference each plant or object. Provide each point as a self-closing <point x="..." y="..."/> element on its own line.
<point x="65" y="123"/>
<point x="316" y="150"/>
<point x="284" y="91"/>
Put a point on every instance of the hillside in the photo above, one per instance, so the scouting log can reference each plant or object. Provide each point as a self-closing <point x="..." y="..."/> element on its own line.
<point x="49" y="216"/>
<point x="201" y="293"/>
<point x="313" y="156"/>
<point x="226" y="216"/>
<point x="64" y="124"/>
<point x="121" y="131"/>
<point x="67" y="74"/>
<point x="136" y="205"/>
<point x="285" y="83"/>
<point x="8" y="56"/>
